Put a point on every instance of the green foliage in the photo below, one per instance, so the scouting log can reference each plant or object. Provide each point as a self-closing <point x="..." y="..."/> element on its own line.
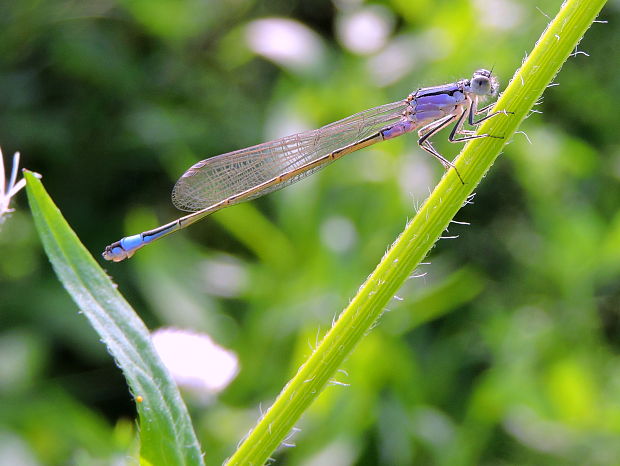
<point x="166" y="434"/>
<point x="504" y="351"/>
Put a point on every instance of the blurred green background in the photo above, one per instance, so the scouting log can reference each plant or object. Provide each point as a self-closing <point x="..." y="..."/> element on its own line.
<point x="504" y="350"/>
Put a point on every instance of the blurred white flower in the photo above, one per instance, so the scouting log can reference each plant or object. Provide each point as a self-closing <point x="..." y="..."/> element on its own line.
<point x="397" y="59"/>
<point x="15" y="450"/>
<point x="500" y="14"/>
<point x="365" y="31"/>
<point x="195" y="361"/>
<point x="285" y="118"/>
<point x="286" y="42"/>
<point x="406" y="52"/>
<point x="338" y="233"/>
<point x="10" y="190"/>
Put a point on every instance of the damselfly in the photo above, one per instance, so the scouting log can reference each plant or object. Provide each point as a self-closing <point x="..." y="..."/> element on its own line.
<point x="227" y="179"/>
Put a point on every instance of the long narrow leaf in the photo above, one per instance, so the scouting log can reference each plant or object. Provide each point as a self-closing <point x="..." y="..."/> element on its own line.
<point x="166" y="433"/>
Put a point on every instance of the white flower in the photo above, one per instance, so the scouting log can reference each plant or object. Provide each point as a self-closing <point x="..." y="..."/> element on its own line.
<point x="195" y="361"/>
<point x="10" y="190"/>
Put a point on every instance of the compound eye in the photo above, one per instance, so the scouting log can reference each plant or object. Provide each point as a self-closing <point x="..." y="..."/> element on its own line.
<point x="481" y="85"/>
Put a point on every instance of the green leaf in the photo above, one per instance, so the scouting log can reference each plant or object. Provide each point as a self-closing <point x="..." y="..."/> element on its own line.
<point x="537" y="72"/>
<point x="166" y="432"/>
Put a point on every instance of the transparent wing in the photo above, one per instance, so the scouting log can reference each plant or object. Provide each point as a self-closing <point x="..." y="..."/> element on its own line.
<point x="215" y="179"/>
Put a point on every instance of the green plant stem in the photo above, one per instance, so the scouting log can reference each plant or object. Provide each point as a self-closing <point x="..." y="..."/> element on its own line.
<point x="537" y="72"/>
